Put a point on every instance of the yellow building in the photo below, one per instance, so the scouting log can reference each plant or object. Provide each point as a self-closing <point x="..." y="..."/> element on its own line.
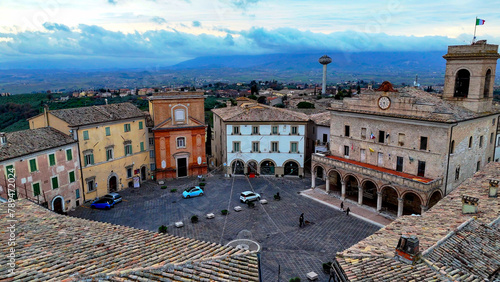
<point x="112" y="140"/>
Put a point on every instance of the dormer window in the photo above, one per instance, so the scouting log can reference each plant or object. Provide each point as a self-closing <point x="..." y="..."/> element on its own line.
<point x="180" y="116"/>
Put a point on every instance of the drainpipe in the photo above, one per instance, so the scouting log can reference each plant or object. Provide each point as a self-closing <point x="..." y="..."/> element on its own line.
<point x="448" y="162"/>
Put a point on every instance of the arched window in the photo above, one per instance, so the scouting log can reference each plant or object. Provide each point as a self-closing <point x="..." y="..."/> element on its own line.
<point x="487" y="82"/>
<point x="462" y="80"/>
<point x="181" y="142"/>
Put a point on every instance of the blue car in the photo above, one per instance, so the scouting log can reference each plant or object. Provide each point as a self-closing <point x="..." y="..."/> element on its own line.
<point x="103" y="203"/>
<point x="192" y="192"/>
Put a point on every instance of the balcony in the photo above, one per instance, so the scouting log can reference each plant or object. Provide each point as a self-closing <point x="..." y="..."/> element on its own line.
<point x="403" y="179"/>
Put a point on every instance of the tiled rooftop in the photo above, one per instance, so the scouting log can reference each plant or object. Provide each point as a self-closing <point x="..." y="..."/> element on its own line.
<point x="97" y="114"/>
<point x="321" y="118"/>
<point x="20" y="143"/>
<point x="258" y="112"/>
<point x="373" y="258"/>
<point x="57" y="247"/>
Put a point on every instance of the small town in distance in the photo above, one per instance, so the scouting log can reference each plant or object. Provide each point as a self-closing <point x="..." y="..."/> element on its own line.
<point x="261" y="180"/>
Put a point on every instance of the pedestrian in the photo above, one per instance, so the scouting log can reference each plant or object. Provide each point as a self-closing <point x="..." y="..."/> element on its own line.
<point x="348" y="210"/>
<point x="301" y="220"/>
<point x="342" y="206"/>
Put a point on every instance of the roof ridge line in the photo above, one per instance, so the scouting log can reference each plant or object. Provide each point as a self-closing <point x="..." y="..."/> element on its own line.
<point x="451" y="233"/>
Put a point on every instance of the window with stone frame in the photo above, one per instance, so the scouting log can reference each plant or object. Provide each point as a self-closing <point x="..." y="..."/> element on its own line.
<point x="274" y="147"/>
<point x="255" y="147"/>
<point x="294" y="147"/>
<point x="181" y="142"/>
<point x="255" y="130"/>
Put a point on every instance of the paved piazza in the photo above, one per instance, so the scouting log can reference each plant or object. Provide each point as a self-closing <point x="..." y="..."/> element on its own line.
<point x="275" y="226"/>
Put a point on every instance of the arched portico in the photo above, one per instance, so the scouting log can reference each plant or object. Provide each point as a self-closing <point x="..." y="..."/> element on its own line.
<point x="252" y="167"/>
<point x="352" y="184"/>
<point x="368" y="195"/>
<point x="291" y="168"/>
<point x="267" y="167"/>
<point x="317" y="171"/>
<point x="387" y="199"/>
<point x="238" y="167"/>
<point x="436" y="196"/>
<point x="334" y="181"/>
<point x="412" y="204"/>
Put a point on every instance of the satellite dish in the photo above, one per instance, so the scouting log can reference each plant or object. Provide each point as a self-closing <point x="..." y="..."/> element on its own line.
<point x="245" y="244"/>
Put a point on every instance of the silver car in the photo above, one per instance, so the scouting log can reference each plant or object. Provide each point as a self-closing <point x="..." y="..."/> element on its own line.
<point x="249" y="196"/>
<point x="113" y="196"/>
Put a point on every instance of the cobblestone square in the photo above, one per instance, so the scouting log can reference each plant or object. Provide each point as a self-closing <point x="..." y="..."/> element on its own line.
<point x="287" y="250"/>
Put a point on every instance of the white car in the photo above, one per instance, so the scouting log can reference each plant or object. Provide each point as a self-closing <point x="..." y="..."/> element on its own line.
<point x="249" y="196"/>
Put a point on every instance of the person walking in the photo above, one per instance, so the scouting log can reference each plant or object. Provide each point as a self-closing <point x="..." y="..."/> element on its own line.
<point x="348" y="210"/>
<point x="342" y="206"/>
<point x="301" y="220"/>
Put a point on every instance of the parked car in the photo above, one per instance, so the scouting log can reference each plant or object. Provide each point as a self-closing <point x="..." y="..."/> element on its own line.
<point x="102" y="203"/>
<point x="249" y="196"/>
<point x="192" y="192"/>
<point x="113" y="196"/>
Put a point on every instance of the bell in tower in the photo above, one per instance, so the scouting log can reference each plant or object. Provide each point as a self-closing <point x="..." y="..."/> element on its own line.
<point x="469" y="76"/>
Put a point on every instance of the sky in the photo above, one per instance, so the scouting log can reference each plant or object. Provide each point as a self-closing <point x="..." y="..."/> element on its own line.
<point x="118" y="33"/>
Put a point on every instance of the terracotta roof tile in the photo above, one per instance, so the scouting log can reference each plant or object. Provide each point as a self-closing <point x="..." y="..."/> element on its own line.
<point x="20" y="143"/>
<point x="57" y="247"/>
<point x="97" y="114"/>
<point x="258" y="112"/>
<point x="321" y="118"/>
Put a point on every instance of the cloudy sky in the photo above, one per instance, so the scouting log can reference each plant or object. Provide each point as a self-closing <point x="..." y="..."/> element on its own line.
<point x="34" y="33"/>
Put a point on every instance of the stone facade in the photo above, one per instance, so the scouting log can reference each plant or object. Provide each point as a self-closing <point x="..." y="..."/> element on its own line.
<point x="179" y="134"/>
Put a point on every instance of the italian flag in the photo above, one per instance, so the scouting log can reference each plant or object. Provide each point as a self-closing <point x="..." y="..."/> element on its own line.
<point x="479" y="22"/>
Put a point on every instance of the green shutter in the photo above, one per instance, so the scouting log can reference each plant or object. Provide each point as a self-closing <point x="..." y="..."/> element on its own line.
<point x="52" y="159"/>
<point x="142" y="146"/>
<point x="55" y="183"/>
<point x="108" y="131"/>
<point x="85" y="135"/>
<point x="92" y="159"/>
<point x="77" y="191"/>
<point x="33" y="165"/>
<point x="36" y="189"/>
<point x="71" y="176"/>
<point x="69" y="155"/>
<point x="140" y="125"/>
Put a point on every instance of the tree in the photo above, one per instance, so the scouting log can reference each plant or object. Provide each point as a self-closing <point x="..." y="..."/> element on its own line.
<point x="254" y="88"/>
<point x="253" y="97"/>
<point x="262" y="100"/>
<point x="305" y="105"/>
<point x="279" y="106"/>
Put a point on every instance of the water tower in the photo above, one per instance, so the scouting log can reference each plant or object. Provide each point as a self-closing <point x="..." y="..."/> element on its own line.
<point x="324" y="60"/>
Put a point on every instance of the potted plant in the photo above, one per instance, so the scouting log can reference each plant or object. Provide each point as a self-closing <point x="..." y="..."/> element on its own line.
<point x="251" y="204"/>
<point x="201" y="184"/>
<point x="224" y="212"/>
<point x="326" y="267"/>
<point x="277" y="197"/>
<point x="194" y="219"/>
<point x="162" y="229"/>
<point x="295" y="279"/>
<point x="173" y="190"/>
<point x="164" y="187"/>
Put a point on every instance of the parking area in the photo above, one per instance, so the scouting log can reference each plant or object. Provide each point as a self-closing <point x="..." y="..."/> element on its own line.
<point x="287" y="250"/>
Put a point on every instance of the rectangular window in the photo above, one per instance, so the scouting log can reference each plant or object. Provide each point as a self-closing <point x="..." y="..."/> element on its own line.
<point x="363" y="155"/>
<point x="489" y="159"/>
<point x="274" y="147"/>
<point x="142" y="146"/>
<point x="399" y="164"/>
<point x="152" y="167"/>
<point x="363" y="133"/>
<point x="181" y="142"/>
<point x="480" y="141"/>
<point x="470" y="142"/>
<point x="381" y="136"/>
<point x="108" y="131"/>
<point x="152" y="154"/>
<point x="457" y="172"/>
<point x="72" y="177"/>
<point x="255" y="147"/>
<point x="33" y="166"/>
<point x="179" y="115"/>
<point x="126" y="127"/>
<point x="274" y="130"/>
<point x="129" y="172"/>
<point x="86" y="135"/>
<point x="69" y="154"/>
<point x="295" y="130"/>
<point x="236" y="130"/>
<point x="77" y="191"/>
<point x="294" y="147"/>
<point x="128" y="149"/>
<point x="347" y="131"/>
<point x="90" y="185"/>
<point x="151" y="141"/>
<point x="346" y="151"/>
<point x="236" y="147"/>
<point x="109" y="154"/>
<point x="491" y="138"/>
<point x="55" y="182"/>
<point x="141" y="125"/>
<point x="36" y="188"/>
<point x="89" y="159"/>
<point x="421" y="168"/>
<point x="401" y="139"/>
<point x="478" y="166"/>
<point x="255" y="130"/>
<point x="52" y="159"/>
<point x="423" y="143"/>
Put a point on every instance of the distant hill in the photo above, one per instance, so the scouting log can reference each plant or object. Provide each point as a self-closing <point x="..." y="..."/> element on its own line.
<point x="397" y="67"/>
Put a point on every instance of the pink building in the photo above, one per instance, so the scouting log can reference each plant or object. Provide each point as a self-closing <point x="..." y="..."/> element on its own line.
<point x="46" y="165"/>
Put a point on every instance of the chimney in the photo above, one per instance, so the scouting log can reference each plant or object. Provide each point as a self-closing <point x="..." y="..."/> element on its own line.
<point x="228" y="103"/>
<point x="3" y="139"/>
<point x="370" y="87"/>
<point x="408" y="250"/>
<point x="493" y="191"/>
<point x="469" y="204"/>
<point x="46" y="114"/>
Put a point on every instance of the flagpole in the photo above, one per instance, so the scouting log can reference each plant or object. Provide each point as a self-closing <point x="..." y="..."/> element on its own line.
<point x="475" y="26"/>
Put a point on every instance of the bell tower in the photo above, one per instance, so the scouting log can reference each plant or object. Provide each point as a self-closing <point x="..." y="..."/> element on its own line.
<point x="470" y="75"/>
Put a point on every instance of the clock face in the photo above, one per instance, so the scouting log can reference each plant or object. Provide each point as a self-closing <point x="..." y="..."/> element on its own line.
<point x="384" y="102"/>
